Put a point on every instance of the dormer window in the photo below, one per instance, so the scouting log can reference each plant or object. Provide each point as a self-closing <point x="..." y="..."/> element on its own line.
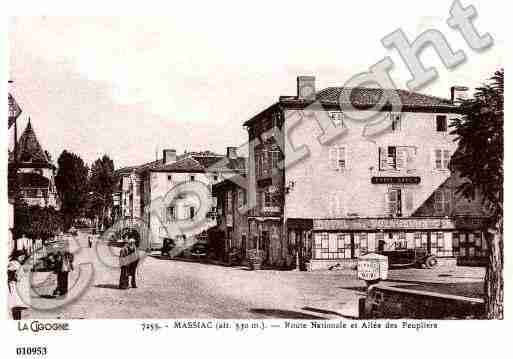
<point x="337" y="117"/>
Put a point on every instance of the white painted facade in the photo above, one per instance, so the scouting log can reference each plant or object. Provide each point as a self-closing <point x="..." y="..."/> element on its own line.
<point x="321" y="190"/>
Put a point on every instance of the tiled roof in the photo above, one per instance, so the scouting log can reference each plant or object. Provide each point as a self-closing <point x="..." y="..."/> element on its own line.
<point x="29" y="149"/>
<point x="362" y="97"/>
<point x="190" y="162"/>
<point x="184" y="165"/>
<point x="366" y="97"/>
<point x="125" y="170"/>
<point x="201" y="163"/>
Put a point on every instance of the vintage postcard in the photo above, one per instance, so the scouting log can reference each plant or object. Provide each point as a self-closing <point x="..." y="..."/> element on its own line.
<point x="254" y="169"/>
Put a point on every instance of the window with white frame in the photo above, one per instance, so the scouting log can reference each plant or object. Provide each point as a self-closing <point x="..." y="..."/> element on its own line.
<point x="338" y="158"/>
<point x="397" y="158"/>
<point x="441" y="158"/>
<point x="337" y="118"/>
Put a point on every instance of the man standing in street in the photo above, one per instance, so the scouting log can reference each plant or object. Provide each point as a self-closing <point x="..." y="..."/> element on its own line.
<point x="133" y="261"/>
<point x="123" y="259"/>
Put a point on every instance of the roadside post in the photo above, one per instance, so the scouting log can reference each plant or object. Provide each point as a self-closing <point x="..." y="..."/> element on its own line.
<point x="372" y="268"/>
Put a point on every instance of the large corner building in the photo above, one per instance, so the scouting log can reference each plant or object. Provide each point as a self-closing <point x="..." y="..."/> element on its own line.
<point x="379" y="183"/>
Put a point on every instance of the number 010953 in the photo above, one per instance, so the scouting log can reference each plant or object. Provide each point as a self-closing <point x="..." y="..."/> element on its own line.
<point x="31" y="351"/>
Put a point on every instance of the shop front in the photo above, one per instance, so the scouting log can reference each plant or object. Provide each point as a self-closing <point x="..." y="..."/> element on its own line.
<point x="341" y="241"/>
<point x="264" y="235"/>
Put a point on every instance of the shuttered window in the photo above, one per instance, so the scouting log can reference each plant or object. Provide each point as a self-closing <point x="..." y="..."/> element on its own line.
<point x="441" y="158"/>
<point x="397" y="158"/>
<point x="337" y="158"/>
<point x="337" y="118"/>
<point x="393" y="202"/>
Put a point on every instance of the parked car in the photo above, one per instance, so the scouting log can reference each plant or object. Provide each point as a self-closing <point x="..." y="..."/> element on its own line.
<point x="199" y="250"/>
<point x="167" y="247"/>
<point x="418" y="257"/>
<point x="73" y="231"/>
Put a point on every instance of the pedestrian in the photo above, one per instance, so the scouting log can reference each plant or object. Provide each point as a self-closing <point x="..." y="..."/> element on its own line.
<point x="63" y="266"/>
<point x="57" y="265"/>
<point x="133" y="261"/>
<point x="90" y="241"/>
<point x="66" y="268"/>
<point x="14" y="274"/>
<point x="123" y="276"/>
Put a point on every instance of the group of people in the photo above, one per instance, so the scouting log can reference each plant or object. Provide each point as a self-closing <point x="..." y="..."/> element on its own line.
<point x="60" y="262"/>
<point x="128" y="261"/>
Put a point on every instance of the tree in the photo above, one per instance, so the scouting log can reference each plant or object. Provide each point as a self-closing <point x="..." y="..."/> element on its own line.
<point x="101" y="187"/>
<point x="45" y="223"/>
<point x="71" y="183"/>
<point x="479" y="159"/>
<point x="36" y="222"/>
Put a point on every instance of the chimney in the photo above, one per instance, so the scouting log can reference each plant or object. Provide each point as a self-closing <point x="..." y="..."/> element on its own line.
<point x="306" y="88"/>
<point x="231" y="152"/>
<point x="458" y="92"/>
<point x="168" y="156"/>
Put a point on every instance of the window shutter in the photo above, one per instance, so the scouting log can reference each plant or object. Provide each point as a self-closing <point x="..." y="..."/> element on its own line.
<point x="437" y="156"/>
<point x="409" y="200"/>
<point x="333" y="158"/>
<point x="446" y="158"/>
<point x="387" y="204"/>
<point x="392" y="202"/>
<point x="402" y="157"/>
<point x="383" y="157"/>
<point x="411" y="158"/>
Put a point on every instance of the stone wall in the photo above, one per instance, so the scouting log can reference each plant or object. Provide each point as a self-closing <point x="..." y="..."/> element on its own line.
<point x="391" y="302"/>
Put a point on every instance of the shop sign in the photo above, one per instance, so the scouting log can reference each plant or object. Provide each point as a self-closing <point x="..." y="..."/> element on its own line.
<point x="397" y="223"/>
<point x="395" y="180"/>
<point x="372" y="267"/>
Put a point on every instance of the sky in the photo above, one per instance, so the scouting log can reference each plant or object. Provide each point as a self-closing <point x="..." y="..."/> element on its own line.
<point x="129" y="87"/>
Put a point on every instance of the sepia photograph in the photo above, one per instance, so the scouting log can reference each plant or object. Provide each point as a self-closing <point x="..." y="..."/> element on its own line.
<point x="287" y="163"/>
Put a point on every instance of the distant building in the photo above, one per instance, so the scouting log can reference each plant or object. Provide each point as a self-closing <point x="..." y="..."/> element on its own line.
<point x="35" y="177"/>
<point x="378" y="187"/>
<point x="172" y="197"/>
<point x="231" y="232"/>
